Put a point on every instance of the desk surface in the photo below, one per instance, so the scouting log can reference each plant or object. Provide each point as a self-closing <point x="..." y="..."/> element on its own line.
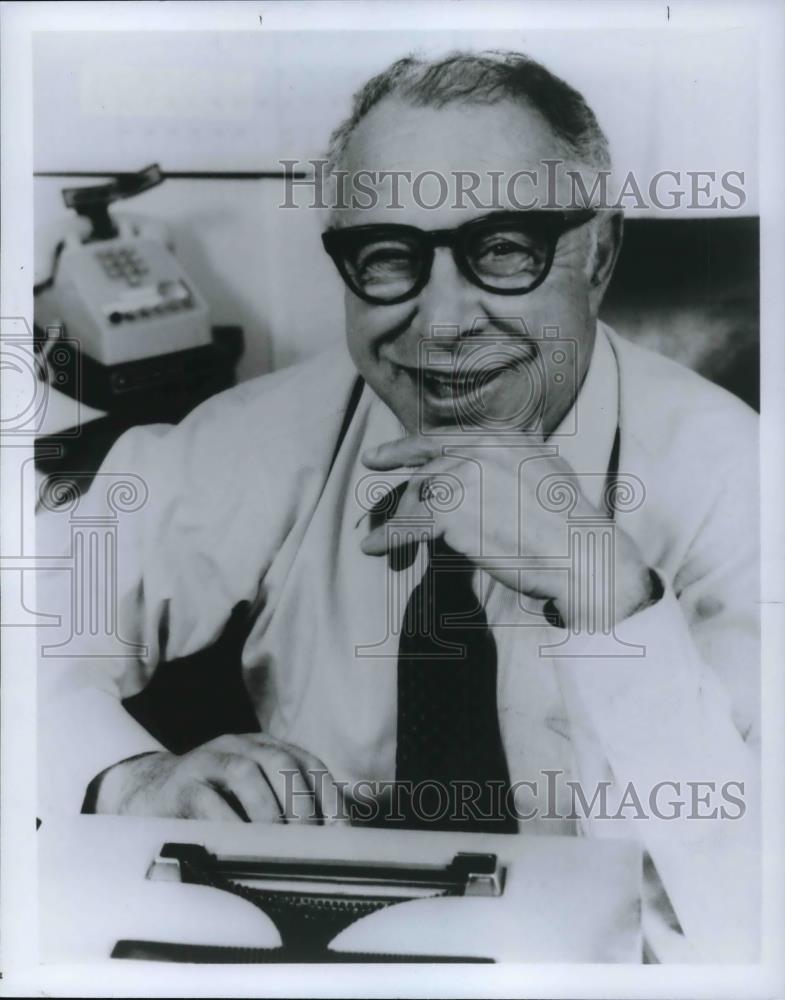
<point x="565" y="899"/>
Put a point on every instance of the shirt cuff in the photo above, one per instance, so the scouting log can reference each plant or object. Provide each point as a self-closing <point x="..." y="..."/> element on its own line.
<point x="555" y="620"/>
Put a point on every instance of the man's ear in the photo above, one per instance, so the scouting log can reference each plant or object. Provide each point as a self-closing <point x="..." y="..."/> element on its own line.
<point x="610" y="227"/>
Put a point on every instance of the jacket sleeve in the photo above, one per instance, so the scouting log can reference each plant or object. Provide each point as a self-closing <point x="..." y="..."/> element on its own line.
<point x="678" y="722"/>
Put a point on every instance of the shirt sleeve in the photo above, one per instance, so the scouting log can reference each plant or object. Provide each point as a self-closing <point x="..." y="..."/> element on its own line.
<point x="674" y="725"/>
<point x="145" y="566"/>
<point x="91" y="653"/>
<point x="179" y="526"/>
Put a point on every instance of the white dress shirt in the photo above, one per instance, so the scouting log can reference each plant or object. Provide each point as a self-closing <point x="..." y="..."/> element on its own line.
<point x="243" y="504"/>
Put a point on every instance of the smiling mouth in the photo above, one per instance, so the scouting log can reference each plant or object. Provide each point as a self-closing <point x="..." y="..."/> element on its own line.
<point x="448" y="384"/>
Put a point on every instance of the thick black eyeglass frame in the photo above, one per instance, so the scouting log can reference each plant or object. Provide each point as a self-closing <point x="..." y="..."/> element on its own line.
<point x="553" y="224"/>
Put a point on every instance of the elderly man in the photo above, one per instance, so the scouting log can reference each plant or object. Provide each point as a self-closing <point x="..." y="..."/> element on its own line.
<point x="495" y="570"/>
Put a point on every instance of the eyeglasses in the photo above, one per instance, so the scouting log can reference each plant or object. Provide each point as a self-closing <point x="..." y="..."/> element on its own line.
<point x="508" y="253"/>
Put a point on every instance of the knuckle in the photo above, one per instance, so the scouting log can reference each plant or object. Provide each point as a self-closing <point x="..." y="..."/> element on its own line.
<point x="315" y="767"/>
<point x="240" y="768"/>
<point x="197" y="762"/>
<point x="227" y="743"/>
<point x="278" y="764"/>
<point x="191" y="797"/>
<point x="305" y="761"/>
<point x="199" y="794"/>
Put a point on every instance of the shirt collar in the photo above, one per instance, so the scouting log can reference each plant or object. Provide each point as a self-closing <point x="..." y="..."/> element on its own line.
<point x="585" y="435"/>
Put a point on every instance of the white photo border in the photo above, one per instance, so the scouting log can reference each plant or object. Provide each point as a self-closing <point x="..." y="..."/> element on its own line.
<point x="19" y="913"/>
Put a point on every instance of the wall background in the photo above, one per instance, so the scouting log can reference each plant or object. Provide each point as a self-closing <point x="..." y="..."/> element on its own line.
<point x="227" y="102"/>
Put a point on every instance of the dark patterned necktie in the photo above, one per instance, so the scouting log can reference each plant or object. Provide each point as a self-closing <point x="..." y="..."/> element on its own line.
<point x="449" y="751"/>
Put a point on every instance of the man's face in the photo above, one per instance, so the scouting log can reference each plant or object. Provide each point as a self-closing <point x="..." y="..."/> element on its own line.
<point x="493" y="336"/>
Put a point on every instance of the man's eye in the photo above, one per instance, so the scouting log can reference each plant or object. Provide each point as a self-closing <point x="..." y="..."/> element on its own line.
<point x="502" y="248"/>
<point x="505" y="255"/>
<point x="380" y="262"/>
<point x="504" y="244"/>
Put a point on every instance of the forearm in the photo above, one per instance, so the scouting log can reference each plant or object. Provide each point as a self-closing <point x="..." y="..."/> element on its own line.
<point x="660" y="707"/>
<point x="662" y="716"/>
<point x="83" y="729"/>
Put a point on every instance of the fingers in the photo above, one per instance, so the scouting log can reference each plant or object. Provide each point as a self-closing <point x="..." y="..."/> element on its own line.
<point x="249" y="777"/>
<point x="379" y="541"/>
<point x="289" y="784"/>
<point x="264" y="778"/>
<point x="411" y="451"/>
<point x="208" y="784"/>
<point x="282" y="771"/>
<point x="318" y="798"/>
<point x="203" y="802"/>
<point x="326" y="791"/>
<point x="242" y="778"/>
<point x="416" y="450"/>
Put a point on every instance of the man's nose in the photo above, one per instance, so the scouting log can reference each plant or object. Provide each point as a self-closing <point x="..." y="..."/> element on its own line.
<point x="448" y="303"/>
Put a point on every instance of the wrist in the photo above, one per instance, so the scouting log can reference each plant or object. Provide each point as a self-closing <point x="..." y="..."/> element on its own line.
<point x="640" y="591"/>
<point x="645" y="590"/>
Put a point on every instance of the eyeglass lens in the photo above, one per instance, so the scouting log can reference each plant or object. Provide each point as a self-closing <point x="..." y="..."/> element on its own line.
<point x="507" y="256"/>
